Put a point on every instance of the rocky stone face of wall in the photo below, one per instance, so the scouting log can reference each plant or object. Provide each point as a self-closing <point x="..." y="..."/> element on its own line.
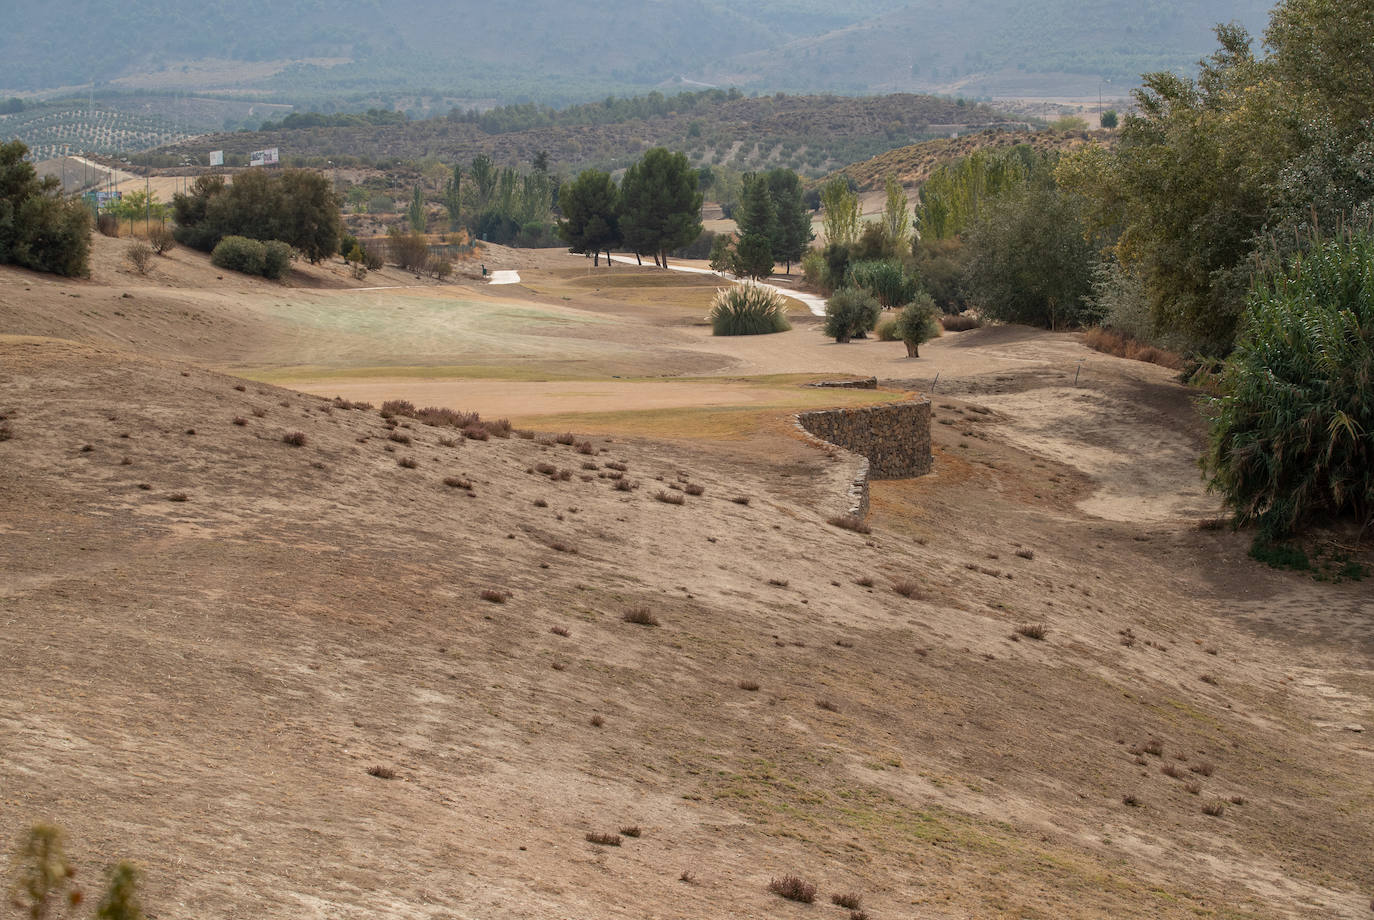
<point x="867" y="383"/>
<point x="894" y="438"/>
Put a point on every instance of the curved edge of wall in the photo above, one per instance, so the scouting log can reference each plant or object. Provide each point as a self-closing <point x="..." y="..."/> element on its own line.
<point x="890" y="441"/>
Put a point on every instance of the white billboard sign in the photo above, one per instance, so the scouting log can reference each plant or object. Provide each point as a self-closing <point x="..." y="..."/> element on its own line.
<point x="266" y="157"/>
<point x="216" y="157"/>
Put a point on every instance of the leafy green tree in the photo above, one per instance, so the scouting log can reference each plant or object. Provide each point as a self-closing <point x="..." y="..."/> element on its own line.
<point x="453" y="198"/>
<point x="484" y="178"/>
<point x="793" y="217"/>
<point x="312" y="223"/>
<point x="296" y="206"/>
<point x="1109" y="119"/>
<point x="1189" y="186"/>
<point x="415" y="214"/>
<point x="951" y="199"/>
<point x="660" y="204"/>
<point x="1030" y="259"/>
<point x="591" y="214"/>
<point x="1292" y="429"/>
<point x="39" y="228"/>
<point x="916" y="324"/>
<point x="896" y="222"/>
<point x="1322" y="48"/>
<point x="840" y="212"/>
<point x="753" y="257"/>
<point x="756" y="213"/>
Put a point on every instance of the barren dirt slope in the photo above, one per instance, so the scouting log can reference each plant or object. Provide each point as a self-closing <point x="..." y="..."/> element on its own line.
<point x="204" y="685"/>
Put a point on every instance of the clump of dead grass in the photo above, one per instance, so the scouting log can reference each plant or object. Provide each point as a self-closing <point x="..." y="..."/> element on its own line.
<point x="793" y="888"/>
<point x="1114" y="343"/>
<point x="494" y="595"/>
<point x="850" y="522"/>
<point x="605" y="840"/>
<point x="669" y="498"/>
<point x="640" y="616"/>
<point x="294" y="438"/>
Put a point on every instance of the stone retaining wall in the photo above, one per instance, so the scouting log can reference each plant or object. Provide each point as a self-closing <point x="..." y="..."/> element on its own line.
<point x="895" y="438"/>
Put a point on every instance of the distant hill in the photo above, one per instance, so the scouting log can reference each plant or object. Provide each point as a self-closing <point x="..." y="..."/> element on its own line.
<point x="812" y="134"/>
<point x="555" y="52"/>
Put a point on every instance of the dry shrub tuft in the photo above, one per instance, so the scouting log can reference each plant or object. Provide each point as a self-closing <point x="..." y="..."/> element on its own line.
<point x="381" y="772"/>
<point x="624" y="485"/>
<point x="750" y="685"/>
<point x="669" y="498"/>
<point x="740" y="499"/>
<point x="457" y="482"/>
<point x="566" y="437"/>
<point x="632" y="830"/>
<point x="295" y="439"/>
<point x="400" y="437"/>
<point x="640" y="616"/>
<point x="585" y="447"/>
<point x="1114" y="343"/>
<point x="560" y="631"/>
<point x="793" y="888"/>
<point x="240" y="421"/>
<point x="617" y="465"/>
<point x="398" y="407"/>
<point x="476" y="433"/>
<point x="850" y="522"/>
<point x="1026" y="553"/>
<point x="178" y="497"/>
<point x="827" y="705"/>
<point x="1036" y="631"/>
<point x="605" y="840"/>
<point x="408" y="463"/>
<point x="959" y="322"/>
<point x="493" y="595"/>
<point x="693" y="489"/>
<point x="847" y="901"/>
<point x="1214" y="809"/>
<point x="1203" y="768"/>
<point x="597" y="721"/>
<point x="907" y="588"/>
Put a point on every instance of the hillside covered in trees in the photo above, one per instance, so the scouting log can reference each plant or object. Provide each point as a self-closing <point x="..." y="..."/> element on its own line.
<point x="805" y="133"/>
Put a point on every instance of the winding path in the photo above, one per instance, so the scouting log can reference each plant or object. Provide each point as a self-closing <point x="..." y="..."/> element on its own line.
<point x="813" y="303"/>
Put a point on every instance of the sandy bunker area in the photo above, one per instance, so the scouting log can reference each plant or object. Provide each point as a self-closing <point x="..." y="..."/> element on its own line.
<point x="297" y="659"/>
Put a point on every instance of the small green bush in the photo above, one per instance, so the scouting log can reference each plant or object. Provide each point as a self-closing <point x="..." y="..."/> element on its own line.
<point x="1292" y="429"/>
<point x="276" y="259"/>
<point x="813" y="269"/>
<point x="850" y="313"/>
<point x="887" y="330"/>
<point x="240" y="254"/>
<point x="748" y="309"/>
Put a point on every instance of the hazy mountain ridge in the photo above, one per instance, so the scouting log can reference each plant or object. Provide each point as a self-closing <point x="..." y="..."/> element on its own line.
<point x="556" y="52"/>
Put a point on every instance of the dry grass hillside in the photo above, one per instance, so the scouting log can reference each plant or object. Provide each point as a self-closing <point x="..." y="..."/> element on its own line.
<point x="299" y="659"/>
